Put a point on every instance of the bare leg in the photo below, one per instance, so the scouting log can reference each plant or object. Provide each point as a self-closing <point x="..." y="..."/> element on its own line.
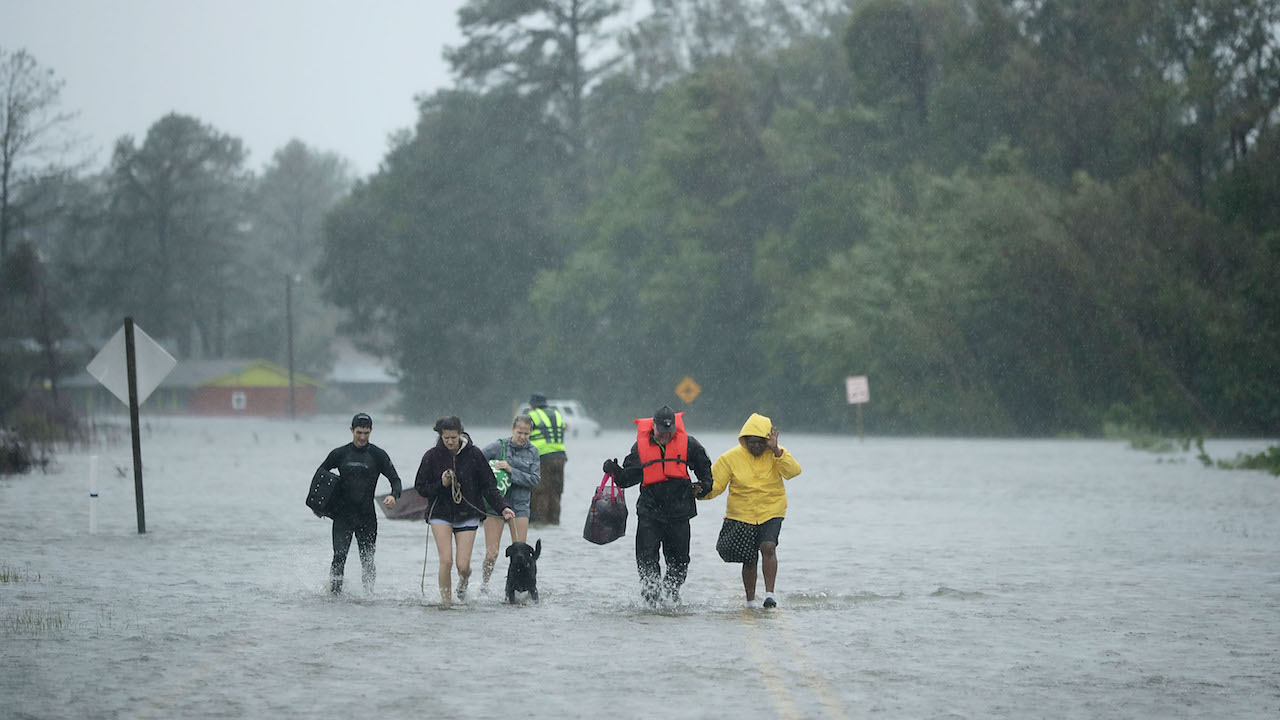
<point x="749" y="578"/>
<point x="466" y="541"/>
<point x="492" y="541"/>
<point x="444" y="550"/>
<point x="520" y="530"/>
<point x="769" y="564"/>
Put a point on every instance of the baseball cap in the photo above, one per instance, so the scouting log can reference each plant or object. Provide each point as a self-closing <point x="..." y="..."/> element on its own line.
<point x="664" y="420"/>
<point x="362" y="420"/>
<point x="537" y="399"/>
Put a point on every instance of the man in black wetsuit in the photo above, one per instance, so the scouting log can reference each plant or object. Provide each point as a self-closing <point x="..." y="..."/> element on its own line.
<point x="359" y="463"/>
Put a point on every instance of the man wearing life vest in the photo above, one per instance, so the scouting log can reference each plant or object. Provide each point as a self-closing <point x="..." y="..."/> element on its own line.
<point x="548" y="434"/>
<point x="659" y="463"/>
<point x="754" y="471"/>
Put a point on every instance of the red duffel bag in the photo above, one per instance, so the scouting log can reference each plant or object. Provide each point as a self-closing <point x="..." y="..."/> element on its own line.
<point x="607" y="518"/>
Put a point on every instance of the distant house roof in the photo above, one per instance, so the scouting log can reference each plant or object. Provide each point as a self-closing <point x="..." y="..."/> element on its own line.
<point x="217" y="373"/>
<point x="251" y="373"/>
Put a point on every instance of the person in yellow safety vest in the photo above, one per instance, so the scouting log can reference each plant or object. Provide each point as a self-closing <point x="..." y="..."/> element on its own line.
<point x="549" y="429"/>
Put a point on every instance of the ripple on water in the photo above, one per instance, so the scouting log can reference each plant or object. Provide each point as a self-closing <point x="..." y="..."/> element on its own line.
<point x="945" y="592"/>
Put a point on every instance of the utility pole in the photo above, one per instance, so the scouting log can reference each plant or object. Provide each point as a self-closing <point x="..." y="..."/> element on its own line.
<point x="288" y="319"/>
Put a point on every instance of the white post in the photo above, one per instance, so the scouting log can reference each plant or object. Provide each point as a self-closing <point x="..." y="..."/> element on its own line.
<point x="93" y="494"/>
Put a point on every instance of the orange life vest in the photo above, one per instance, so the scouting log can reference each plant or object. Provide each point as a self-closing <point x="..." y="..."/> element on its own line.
<point x="661" y="463"/>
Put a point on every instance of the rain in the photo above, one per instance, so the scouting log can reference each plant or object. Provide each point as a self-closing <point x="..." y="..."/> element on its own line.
<point x="1000" y="274"/>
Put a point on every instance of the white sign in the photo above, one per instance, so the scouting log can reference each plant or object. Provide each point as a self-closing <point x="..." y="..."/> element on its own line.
<point x="110" y="366"/>
<point x="856" y="389"/>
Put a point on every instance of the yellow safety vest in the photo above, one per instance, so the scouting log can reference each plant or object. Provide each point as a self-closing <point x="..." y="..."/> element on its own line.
<point x="548" y="430"/>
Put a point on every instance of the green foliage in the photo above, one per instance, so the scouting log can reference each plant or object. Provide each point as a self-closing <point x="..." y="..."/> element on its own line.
<point x="1016" y="218"/>
<point x="176" y="206"/>
<point x="282" y="247"/>
<point x="32" y="128"/>
<point x="1267" y="460"/>
<point x="433" y="255"/>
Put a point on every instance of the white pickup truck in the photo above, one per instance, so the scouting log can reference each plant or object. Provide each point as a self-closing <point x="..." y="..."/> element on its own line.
<point x="574" y="416"/>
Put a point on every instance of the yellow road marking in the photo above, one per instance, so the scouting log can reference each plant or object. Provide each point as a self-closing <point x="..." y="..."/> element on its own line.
<point x="809" y="675"/>
<point x="773" y="682"/>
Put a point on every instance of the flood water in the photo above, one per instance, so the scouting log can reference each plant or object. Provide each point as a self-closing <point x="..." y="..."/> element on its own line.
<point x="918" y="578"/>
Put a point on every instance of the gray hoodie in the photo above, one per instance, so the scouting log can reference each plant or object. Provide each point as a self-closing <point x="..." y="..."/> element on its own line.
<point x="526" y="471"/>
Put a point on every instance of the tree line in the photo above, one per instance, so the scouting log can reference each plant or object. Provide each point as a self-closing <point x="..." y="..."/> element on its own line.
<point x="175" y="230"/>
<point x="1014" y="217"/>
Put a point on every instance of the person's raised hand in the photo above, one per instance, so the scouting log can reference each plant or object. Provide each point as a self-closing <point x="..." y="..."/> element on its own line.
<point x="612" y="468"/>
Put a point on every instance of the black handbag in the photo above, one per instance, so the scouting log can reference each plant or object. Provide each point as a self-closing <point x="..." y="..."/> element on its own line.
<point x="323" y="493"/>
<point x="607" y="517"/>
<point x="737" y="542"/>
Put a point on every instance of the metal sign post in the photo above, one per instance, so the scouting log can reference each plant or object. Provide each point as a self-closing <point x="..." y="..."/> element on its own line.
<point x="131" y="367"/>
<point x="288" y="321"/>
<point x="131" y="376"/>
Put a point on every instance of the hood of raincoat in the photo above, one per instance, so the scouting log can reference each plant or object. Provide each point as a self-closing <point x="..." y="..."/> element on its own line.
<point x="757" y="425"/>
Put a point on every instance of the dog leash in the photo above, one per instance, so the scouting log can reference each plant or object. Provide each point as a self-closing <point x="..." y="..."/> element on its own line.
<point x="426" y="550"/>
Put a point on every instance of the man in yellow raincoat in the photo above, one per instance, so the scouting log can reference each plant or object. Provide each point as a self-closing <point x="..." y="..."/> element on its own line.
<point x="753" y="472"/>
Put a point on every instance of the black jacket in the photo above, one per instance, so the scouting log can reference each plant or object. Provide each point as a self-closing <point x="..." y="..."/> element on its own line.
<point x="360" y="468"/>
<point x="474" y="477"/>
<point x="671" y="500"/>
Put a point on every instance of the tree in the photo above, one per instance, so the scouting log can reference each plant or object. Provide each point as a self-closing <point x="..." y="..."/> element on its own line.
<point x="540" y="48"/>
<point x="31" y="129"/>
<point x="433" y="255"/>
<point x="890" y="59"/>
<point x="683" y="36"/>
<point x="173" y="254"/>
<point x="287" y="207"/>
<point x="31" y="328"/>
<point x="665" y="282"/>
<point x="295" y="191"/>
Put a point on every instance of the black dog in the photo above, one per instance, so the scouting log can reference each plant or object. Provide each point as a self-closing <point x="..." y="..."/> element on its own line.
<point x="522" y="572"/>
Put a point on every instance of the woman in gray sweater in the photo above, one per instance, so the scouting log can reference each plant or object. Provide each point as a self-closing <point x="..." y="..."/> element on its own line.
<point x="519" y="459"/>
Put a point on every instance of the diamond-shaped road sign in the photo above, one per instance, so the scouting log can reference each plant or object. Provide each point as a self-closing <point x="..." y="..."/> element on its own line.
<point x="110" y="366"/>
<point x="688" y="390"/>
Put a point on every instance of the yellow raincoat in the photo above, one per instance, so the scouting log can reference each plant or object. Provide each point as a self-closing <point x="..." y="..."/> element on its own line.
<point x="756" y="490"/>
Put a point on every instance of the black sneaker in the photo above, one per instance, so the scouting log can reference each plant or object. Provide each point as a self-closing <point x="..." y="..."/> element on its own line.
<point x="770" y="602"/>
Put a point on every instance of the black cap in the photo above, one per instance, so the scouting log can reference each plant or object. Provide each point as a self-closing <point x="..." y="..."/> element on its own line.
<point x="362" y="420"/>
<point x="664" y="420"/>
<point x="537" y="400"/>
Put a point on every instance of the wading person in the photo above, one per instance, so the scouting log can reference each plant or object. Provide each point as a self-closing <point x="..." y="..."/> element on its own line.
<point x="456" y="480"/>
<point x="754" y="472"/>
<point x="359" y="463"/>
<point x="549" y="429"/>
<point x="659" y="462"/>
<point x="518" y="458"/>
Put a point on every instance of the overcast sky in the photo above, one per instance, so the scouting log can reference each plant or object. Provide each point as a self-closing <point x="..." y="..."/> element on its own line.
<point x="339" y="75"/>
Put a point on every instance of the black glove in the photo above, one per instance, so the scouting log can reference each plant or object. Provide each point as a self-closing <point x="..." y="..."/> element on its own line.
<point x="611" y="467"/>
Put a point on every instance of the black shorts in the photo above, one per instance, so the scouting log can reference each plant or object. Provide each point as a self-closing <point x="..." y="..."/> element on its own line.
<point x="740" y="542"/>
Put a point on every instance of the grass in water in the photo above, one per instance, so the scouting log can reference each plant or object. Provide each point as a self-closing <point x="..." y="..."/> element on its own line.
<point x="28" y="621"/>
<point x="15" y="575"/>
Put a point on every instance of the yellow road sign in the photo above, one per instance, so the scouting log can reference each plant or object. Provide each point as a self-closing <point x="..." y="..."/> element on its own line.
<point x="688" y="390"/>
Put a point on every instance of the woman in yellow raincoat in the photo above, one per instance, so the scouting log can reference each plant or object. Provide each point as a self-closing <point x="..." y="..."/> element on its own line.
<point x="753" y="472"/>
